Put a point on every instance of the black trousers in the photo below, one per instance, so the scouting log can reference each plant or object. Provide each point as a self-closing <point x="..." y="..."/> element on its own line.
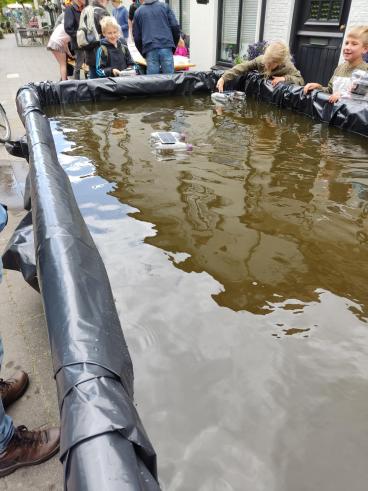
<point x="79" y="60"/>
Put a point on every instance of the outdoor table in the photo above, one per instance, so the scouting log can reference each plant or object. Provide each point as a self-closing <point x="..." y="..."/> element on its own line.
<point x="180" y="62"/>
<point x="32" y="36"/>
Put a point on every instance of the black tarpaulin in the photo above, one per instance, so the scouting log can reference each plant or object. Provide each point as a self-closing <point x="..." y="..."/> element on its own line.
<point x="350" y="115"/>
<point x="92" y="365"/>
<point x="19" y="254"/>
<point x="77" y="91"/>
<point x="347" y="114"/>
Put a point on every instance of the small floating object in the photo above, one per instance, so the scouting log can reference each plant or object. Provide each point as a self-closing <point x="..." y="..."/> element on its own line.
<point x="227" y="97"/>
<point x="359" y="86"/>
<point x="128" y="72"/>
<point x="169" y="142"/>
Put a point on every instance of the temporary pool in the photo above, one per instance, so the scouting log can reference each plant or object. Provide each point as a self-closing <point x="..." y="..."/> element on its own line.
<point x="239" y="274"/>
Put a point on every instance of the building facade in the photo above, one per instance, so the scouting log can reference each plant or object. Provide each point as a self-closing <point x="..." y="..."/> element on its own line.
<point x="219" y="31"/>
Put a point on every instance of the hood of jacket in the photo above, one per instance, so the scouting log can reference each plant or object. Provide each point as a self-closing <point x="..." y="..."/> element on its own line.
<point x="105" y="42"/>
<point x="96" y="3"/>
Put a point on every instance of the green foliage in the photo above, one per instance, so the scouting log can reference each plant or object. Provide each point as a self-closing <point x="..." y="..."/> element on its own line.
<point x="238" y="59"/>
<point x="1" y="34"/>
<point x="40" y="12"/>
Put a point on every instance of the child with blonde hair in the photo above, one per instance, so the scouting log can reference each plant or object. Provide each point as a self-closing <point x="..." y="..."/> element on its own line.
<point x="275" y="64"/>
<point x="355" y="47"/>
<point x="113" y="55"/>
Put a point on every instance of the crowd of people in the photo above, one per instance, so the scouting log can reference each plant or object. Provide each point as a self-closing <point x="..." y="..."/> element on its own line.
<point x="155" y="31"/>
<point x="90" y="38"/>
<point x="276" y="64"/>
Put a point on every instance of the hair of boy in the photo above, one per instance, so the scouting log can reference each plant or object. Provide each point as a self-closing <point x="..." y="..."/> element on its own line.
<point x="359" y="32"/>
<point x="277" y="52"/>
<point x="109" y="21"/>
<point x="117" y="2"/>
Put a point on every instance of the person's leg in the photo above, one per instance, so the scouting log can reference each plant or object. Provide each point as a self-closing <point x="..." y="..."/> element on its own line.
<point x="6" y="423"/>
<point x="79" y="60"/>
<point x="20" y="447"/>
<point x="153" y="63"/>
<point x="61" y="59"/>
<point x="166" y="60"/>
<point x="6" y="428"/>
<point x="92" y="72"/>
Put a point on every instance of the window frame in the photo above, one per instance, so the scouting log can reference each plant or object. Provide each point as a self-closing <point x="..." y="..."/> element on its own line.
<point x="259" y="36"/>
<point x="180" y="20"/>
<point x="321" y="20"/>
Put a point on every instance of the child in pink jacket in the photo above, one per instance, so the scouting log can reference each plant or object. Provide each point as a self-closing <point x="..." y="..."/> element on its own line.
<point x="181" y="49"/>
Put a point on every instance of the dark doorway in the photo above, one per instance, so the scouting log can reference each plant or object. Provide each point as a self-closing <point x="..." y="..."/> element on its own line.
<point x="318" y="34"/>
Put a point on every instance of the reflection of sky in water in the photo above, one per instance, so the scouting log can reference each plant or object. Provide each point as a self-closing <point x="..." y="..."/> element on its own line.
<point x="239" y="274"/>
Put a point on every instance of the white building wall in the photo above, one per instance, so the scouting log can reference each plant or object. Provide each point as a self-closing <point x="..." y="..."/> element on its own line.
<point x="203" y="34"/>
<point x="358" y="13"/>
<point x="279" y="16"/>
<point x="358" y="16"/>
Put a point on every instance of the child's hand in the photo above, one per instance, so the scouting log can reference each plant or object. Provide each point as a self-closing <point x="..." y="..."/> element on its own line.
<point x="220" y="85"/>
<point x="334" y="97"/>
<point x="311" y="86"/>
<point x="115" y="72"/>
<point x="277" y="80"/>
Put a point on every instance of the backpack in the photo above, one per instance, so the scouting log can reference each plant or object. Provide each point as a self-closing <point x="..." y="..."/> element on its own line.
<point x="87" y="35"/>
<point x="124" y="49"/>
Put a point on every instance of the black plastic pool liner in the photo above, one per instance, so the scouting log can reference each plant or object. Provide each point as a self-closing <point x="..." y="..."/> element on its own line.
<point x="103" y="442"/>
<point x="19" y="254"/>
<point x="350" y="115"/>
<point x="347" y="114"/>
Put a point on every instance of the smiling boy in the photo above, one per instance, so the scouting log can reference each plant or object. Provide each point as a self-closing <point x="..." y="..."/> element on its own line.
<point x="355" y="47"/>
<point x="113" y="55"/>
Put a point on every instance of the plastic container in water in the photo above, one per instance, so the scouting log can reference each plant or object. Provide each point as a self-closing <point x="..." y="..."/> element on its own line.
<point x="359" y="83"/>
<point x="228" y="97"/>
<point x="169" y="142"/>
<point x="128" y="72"/>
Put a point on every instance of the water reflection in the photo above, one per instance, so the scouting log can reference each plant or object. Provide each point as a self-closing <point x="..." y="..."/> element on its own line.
<point x="239" y="277"/>
<point x="269" y="204"/>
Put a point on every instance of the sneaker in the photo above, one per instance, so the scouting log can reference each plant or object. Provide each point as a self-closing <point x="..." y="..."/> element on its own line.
<point x="13" y="388"/>
<point x="29" y="448"/>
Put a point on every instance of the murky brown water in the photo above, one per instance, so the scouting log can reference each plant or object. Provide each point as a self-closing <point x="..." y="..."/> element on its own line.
<point x="240" y="274"/>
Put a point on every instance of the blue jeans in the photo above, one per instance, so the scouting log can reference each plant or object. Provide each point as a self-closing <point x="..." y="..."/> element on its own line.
<point x="92" y="72"/>
<point x="6" y="423"/>
<point x="157" y="58"/>
<point x="3" y="222"/>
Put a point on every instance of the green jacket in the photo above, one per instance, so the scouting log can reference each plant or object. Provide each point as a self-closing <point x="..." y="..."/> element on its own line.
<point x="343" y="70"/>
<point x="287" y="70"/>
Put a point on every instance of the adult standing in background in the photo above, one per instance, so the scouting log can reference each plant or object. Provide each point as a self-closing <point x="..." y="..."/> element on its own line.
<point x="156" y="34"/>
<point x="59" y="46"/>
<point x="135" y="4"/>
<point x="121" y="15"/>
<point x="71" y="23"/>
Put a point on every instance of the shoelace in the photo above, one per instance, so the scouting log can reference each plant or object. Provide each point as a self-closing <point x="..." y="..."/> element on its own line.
<point x="4" y="384"/>
<point x="31" y="438"/>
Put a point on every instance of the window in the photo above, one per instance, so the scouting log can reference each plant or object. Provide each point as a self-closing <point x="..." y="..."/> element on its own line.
<point x="181" y="10"/>
<point x="237" y="28"/>
<point x="326" y="10"/>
